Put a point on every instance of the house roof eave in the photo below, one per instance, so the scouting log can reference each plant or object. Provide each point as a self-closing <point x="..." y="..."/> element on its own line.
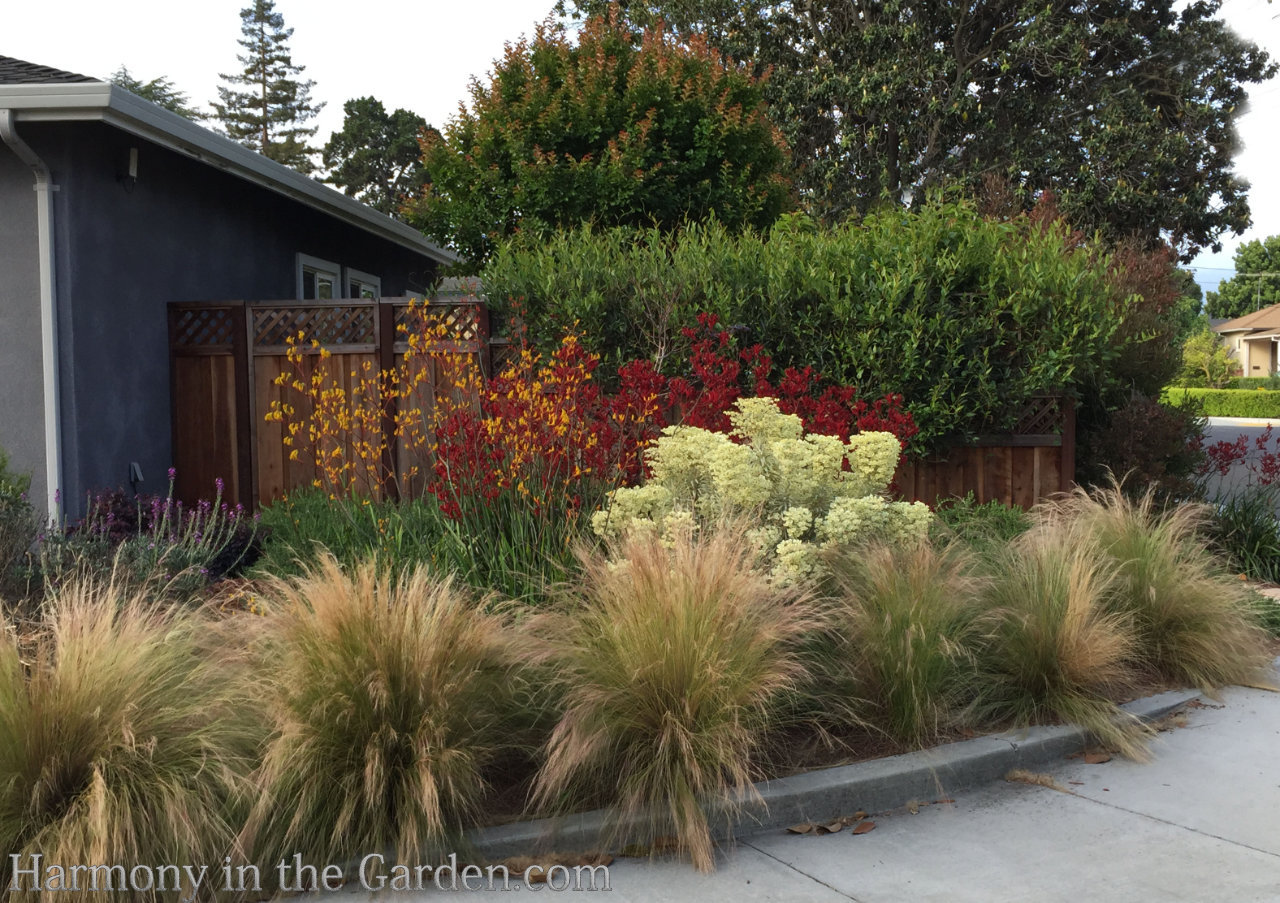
<point x="90" y="101"/>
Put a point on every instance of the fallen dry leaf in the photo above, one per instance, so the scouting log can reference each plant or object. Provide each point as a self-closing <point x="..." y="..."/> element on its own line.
<point x="1171" y="722"/>
<point x="834" y="828"/>
<point x="801" y="829"/>
<point x="570" y="860"/>
<point x="1097" y="758"/>
<point x="1022" y="776"/>
<point x="864" y="827"/>
<point x="913" y="807"/>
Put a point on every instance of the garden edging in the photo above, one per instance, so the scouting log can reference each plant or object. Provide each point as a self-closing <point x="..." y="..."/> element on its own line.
<point x="826" y="794"/>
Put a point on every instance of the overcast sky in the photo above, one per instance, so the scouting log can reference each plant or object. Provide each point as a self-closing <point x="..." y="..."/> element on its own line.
<point x="421" y="54"/>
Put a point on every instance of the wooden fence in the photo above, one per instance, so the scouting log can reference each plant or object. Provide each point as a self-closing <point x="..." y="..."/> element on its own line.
<point x="225" y="358"/>
<point x="1036" y="460"/>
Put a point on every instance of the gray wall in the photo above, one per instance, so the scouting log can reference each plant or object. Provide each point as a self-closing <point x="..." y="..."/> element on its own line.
<point x="184" y="232"/>
<point x="21" y="387"/>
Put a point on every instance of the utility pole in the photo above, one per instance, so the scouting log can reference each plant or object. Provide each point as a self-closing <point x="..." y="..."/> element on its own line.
<point x="1257" y="297"/>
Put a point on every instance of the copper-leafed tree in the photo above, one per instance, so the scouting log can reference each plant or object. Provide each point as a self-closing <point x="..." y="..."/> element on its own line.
<point x="621" y="128"/>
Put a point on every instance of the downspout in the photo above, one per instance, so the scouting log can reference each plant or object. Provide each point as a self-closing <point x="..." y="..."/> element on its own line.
<point x="48" y="311"/>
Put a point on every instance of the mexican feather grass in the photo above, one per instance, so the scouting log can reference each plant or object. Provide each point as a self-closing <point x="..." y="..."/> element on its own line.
<point x="671" y="658"/>
<point x="386" y="696"/>
<point x="122" y="739"/>
<point x="1191" y="620"/>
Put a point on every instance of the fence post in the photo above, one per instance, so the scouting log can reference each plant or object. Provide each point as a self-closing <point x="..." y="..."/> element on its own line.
<point x="386" y="341"/>
<point x="246" y="422"/>
<point x="482" y="334"/>
<point x="1068" y="408"/>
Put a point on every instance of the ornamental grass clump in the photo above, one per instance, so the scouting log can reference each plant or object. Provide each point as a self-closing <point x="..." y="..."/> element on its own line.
<point x="1192" y="622"/>
<point x="387" y="699"/>
<point x="807" y="494"/>
<point x="1056" y="649"/>
<point x="672" y="659"/>
<point x="123" y="738"/>
<point x="906" y="626"/>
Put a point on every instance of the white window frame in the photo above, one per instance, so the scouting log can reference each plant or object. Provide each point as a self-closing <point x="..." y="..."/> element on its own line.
<point x="351" y="275"/>
<point x="317" y="265"/>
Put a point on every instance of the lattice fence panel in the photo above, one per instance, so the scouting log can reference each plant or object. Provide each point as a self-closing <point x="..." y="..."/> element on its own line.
<point x="208" y="327"/>
<point x="1042" y="416"/>
<point x="461" y="324"/>
<point x="332" y="325"/>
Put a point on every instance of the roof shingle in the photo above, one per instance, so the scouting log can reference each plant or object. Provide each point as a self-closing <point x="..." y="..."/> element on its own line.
<point x="1267" y="318"/>
<point x="20" y="72"/>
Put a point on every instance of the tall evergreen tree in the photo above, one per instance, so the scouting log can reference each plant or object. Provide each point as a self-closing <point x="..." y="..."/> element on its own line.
<point x="159" y="90"/>
<point x="271" y="113"/>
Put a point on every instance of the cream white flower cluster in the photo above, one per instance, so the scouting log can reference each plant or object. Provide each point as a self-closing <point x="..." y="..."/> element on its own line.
<point x="795" y="485"/>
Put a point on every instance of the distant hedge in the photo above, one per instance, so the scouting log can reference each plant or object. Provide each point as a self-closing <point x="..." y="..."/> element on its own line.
<point x="1255" y="382"/>
<point x="1230" y="402"/>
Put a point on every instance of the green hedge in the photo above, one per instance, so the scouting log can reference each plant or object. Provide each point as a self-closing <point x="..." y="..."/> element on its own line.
<point x="1230" y="402"/>
<point x="966" y="317"/>
<point x="1256" y="382"/>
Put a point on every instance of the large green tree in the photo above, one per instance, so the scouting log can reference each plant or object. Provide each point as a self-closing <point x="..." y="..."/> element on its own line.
<point x="1256" y="283"/>
<point x="376" y="156"/>
<point x="159" y="90"/>
<point x="270" y="109"/>
<point x="617" y="128"/>
<point x="1125" y="108"/>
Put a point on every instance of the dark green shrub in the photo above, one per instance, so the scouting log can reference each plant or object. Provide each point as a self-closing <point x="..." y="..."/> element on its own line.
<point x="1149" y="444"/>
<point x="966" y="317"/>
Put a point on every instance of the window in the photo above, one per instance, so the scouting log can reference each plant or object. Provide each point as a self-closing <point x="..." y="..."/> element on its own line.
<point x="317" y="279"/>
<point x="363" y="285"/>
<point x="324" y="280"/>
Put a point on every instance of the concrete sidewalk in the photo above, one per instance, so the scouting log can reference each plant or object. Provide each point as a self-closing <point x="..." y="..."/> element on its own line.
<point x="1200" y="822"/>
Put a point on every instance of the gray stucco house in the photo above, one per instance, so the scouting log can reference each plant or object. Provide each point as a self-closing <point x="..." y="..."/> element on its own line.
<point x="110" y="208"/>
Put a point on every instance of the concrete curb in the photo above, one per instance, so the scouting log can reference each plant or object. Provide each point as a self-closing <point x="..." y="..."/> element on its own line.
<point x="827" y="794"/>
<point x="1242" y="421"/>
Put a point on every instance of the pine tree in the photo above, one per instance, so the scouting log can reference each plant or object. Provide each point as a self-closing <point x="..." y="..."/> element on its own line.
<point x="270" y="115"/>
<point x="159" y="90"/>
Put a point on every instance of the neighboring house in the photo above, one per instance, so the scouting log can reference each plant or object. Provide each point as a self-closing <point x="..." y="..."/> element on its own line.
<point x="1252" y="340"/>
<point x="134" y="207"/>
